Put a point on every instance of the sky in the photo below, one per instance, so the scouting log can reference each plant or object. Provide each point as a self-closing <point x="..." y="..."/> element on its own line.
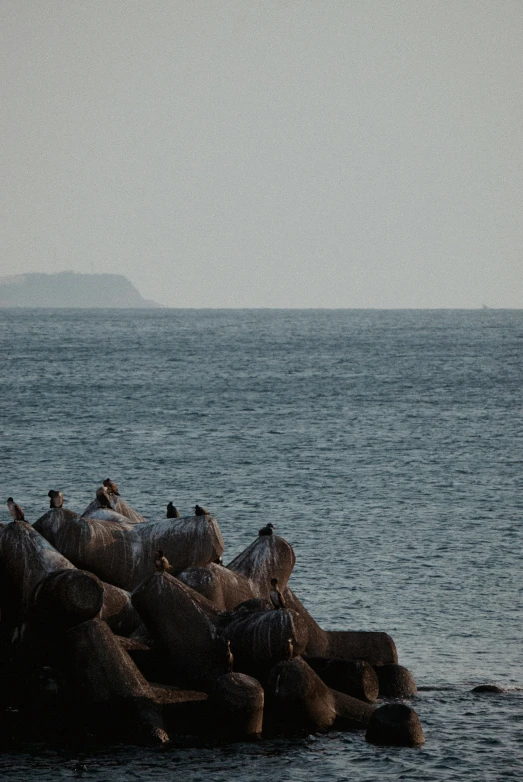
<point x="267" y="153"/>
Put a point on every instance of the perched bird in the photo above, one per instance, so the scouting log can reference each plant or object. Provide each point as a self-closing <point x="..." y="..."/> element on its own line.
<point x="172" y="512"/>
<point x="276" y="596"/>
<point x="198" y="511"/>
<point x="161" y="562"/>
<point x="103" y="497"/>
<point x="56" y="498"/>
<point x="227" y="654"/>
<point x="111" y="487"/>
<point x="218" y="561"/>
<point x="267" y="530"/>
<point x="16" y="511"/>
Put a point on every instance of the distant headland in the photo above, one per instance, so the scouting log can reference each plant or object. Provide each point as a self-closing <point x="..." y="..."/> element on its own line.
<point x="71" y="289"/>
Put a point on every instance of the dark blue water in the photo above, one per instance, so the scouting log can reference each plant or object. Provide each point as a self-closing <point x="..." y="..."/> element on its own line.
<point x="385" y="446"/>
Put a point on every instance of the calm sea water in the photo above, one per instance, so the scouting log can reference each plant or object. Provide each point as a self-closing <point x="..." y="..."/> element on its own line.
<point x="385" y="446"/>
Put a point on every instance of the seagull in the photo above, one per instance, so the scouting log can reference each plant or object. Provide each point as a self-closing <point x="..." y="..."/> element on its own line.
<point x="172" y="512"/>
<point x="161" y="562"/>
<point x="103" y="497"/>
<point x="267" y="530"/>
<point x="198" y="511"/>
<point x="15" y="510"/>
<point x="111" y="486"/>
<point x="276" y="596"/>
<point x="56" y="499"/>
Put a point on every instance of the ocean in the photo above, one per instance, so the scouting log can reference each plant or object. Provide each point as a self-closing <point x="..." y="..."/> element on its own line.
<point x="385" y="446"/>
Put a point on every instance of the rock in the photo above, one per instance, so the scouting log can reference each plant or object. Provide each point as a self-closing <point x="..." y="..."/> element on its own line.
<point x="395" y="724"/>
<point x="395" y="681"/>
<point x="488" y="688"/>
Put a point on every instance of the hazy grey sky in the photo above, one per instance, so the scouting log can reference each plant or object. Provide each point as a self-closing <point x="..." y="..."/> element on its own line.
<point x="274" y="153"/>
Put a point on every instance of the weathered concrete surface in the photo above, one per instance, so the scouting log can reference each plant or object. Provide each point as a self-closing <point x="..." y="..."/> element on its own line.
<point x="94" y="509"/>
<point x="395" y="724"/>
<point x="260" y="639"/>
<point x="235" y="707"/>
<point x="375" y="648"/>
<point x="110" y="686"/>
<point x="186" y="625"/>
<point x="122" y="553"/>
<point x="268" y="557"/>
<point x="395" y="681"/>
<point x="318" y="640"/>
<point x="223" y="587"/>
<point x="352" y="677"/>
<point x="297" y="700"/>
<point x="68" y="597"/>
<point x="26" y="558"/>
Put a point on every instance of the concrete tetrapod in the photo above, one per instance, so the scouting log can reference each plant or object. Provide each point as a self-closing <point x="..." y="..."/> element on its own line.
<point x="235" y="707"/>
<point x="395" y="681"/>
<point x="185" y="624"/>
<point x="122" y="553"/>
<point x="260" y="639"/>
<point x="26" y="558"/>
<point x="297" y="700"/>
<point x="268" y="557"/>
<point x="112" y="695"/>
<point x="120" y="508"/>
<point x="353" y="677"/>
<point x="395" y="724"/>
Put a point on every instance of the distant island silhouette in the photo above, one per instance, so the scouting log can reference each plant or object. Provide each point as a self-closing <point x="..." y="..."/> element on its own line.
<point x="71" y="289"/>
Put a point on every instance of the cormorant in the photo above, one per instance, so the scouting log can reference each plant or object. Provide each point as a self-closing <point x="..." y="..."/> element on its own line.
<point x="267" y="530"/>
<point x="56" y="498"/>
<point x="103" y="497"/>
<point x="172" y="512"/>
<point x="276" y="596"/>
<point x="16" y="511"/>
<point x="111" y="486"/>
<point x="198" y="511"/>
<point x="161" y="562"/>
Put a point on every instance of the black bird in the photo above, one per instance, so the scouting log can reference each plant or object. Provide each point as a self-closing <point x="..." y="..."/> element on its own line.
<point x="103" y="497"/>
<point x="198" y="511"/>
<point x="111" y="486"/>
<point x="172" y="512"/>
<point x="161" y="562"/>
<point x="267" y="530"/>
<point x="276" y="596"/>
<point x="16" y="511"/>
<point x="56" y="498"/>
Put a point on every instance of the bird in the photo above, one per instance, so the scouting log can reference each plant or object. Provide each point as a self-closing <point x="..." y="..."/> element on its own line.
<point x="198" y="511"/>
<point x="16" y="511"/>
<point x="103" y="497"/>
<point x="111" y="486"/>
<point x="227" y="654"/>
<point x="267" y="530"/>
<point x="172" y="512"/>
<point x="276" y="596"/>
<point x="289" y="650"/>
<point x="56" y="498"/>
<point x="161" y="563"/>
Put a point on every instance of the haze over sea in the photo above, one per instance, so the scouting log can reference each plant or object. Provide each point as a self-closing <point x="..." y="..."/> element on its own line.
<point x="385" y="446"/>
